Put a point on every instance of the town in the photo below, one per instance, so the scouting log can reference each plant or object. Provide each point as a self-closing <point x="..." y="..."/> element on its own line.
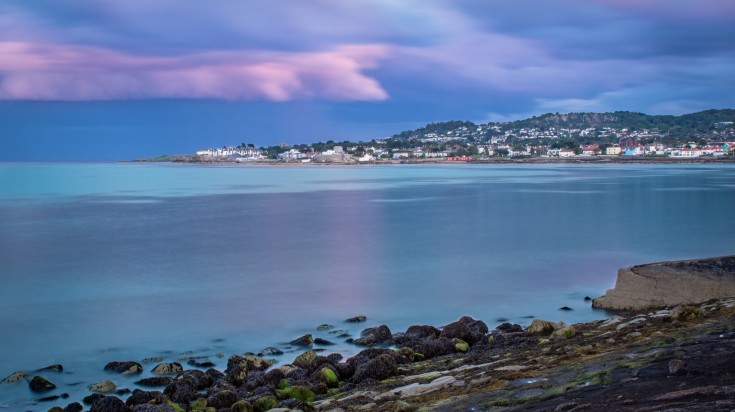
<point x="572" y="136"/>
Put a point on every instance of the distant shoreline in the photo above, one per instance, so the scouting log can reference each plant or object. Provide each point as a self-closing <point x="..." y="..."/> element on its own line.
<point x="504" y="161"/>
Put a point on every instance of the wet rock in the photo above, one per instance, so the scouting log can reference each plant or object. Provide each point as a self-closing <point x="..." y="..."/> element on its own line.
<point x="167" y="368"/>
<point x="305" y="359"/>
<point x="265" y="403"/>
<point x="155" y="381"/>
<point x="51" y="398"/>
<point x="356" y="319"/>
<point x="509" y="327"/>
<point x="214" y="375"/>
<point x="306" y="340"/>
<point x="565" y="308"/>
<point x="73" y="407"/>
<point x="55" y="408"/>
<point x="431" y="348"/>
<point x="587" y="299"/>
<point x="685" y="313"/>
<point x="181" y="391"/>
<point x="153" y="359"/>
<point x="416" y="332"/>
<point x="109" y="404"/>
<point x="40" y="384"/>
<point x="324" y="342"/>
<point x="196" y="378"/>
<point x="154" y="408"/>
<point x="378" y="335"/>
<point x="102" y="387"/>
<point x="379" y="368"/>
<point x="238" y="367"/>
<point x="466" y="328"/>
<point x="16" y="377"/>
<point x="139" y="397"/>
<point x="564" y="332"/>
<point x="328" y="376"/>
<point x="242" y="406"/>
<point x="125" y="368"/>
<point x="403" y="406"/>
<point x="271" y="351"/>
<point x="677" y="367"/>
<point x="91" y="399"/>
<point x="222" y="399"/>
<point x="541" y="327"/>
<point x="52" y="368"/>
<point x="325" y="327"/>
<point x="197" y="364"/>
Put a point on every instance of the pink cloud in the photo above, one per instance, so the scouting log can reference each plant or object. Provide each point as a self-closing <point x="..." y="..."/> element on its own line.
<point x="38" y="71"/>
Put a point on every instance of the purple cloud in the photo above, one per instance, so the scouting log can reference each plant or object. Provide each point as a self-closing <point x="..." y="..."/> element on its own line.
<point x="33" y="71"/>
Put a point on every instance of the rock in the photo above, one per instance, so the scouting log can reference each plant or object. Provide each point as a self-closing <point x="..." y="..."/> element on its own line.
<point x="238" y="367"/>
<point x="382" y="367"/>
<point x="509" y="327"/>
<point x="52" y="368"/>
<point x="102" y="387"/>
<point x="378" y="335"/>
<point x="460" y="345"/>
<point x="74" y="407"/>
<point x="167" y="368"/>
<point x="153" y="359"/>
<point x="541" y="327"/>
<point x="242" y="406"/>
<point x="325" y="327"/>
<point x="181" y="391"/>
<point x="265" y="403"/>
<point x="587" y="298"/>
<point x="685" y="313"/>
<point x="197" y="364"/>
<point x="306" y="340"/>
<point x="40" y="384"/>
<point x="125" y="368"/>
<point x="139" y="397"/>
<point x="403" y="406"/>
<point x="565" y="308"/>
<point x="154" y="408"/>
<point x="156" y="381"/>
<point x="431" y="348"/>
<point x="16" y="377"/>
<point x="466" y="328"/>
<point x="356" y="319"/>
<point x="54" y="409"/>
<point x="91" y="399"/>
<point x="564" y="332"/>
<point x="671" y="283"/>
<point x="271" y="351"/>
<point x="320" y="341"/>
<point x="677" y="367"/>
<point x="109" y="404"/>
<point x="222" y="399"/>
<point x="328" y="376"/>
<point x="305" y="359"/>
<point x="415" y="332"/>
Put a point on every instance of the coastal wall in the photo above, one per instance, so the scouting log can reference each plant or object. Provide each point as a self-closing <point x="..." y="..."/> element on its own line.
<point x="671" y="283"/>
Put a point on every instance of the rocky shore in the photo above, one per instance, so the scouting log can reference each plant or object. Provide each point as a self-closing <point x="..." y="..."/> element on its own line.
<point x="663" y="359"/>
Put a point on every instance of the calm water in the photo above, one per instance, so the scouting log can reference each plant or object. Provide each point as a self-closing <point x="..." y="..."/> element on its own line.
<point x="102" y="262"/>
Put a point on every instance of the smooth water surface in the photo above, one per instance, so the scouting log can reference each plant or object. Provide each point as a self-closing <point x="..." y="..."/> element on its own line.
<point x="102" y="262"/>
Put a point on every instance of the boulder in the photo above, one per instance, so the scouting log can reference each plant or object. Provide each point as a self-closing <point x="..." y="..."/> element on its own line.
<point x="671" y="283"/>
<point x="125" y="368"/>
<point x="155" y="381"/>
<point x="52" y="368"/>
<point x="109" y="404"/>
<point x="242" y="406"/>
<point x="323" y="342"/>
<point x="139" y="397"/>
<point x="431" y="348"/>
<point x="325" y="327"/>
<point x="357" y="319"/>
<point x="73" y="407"/>
<point x="40" y="384"/>
<point x="541" y="327"/>
<point x="167" y="368"/>
<point x="222" y="399"/>
<point x="508" y="327"/>
<point x="466" y="328"/>
<point x="16" y="377"/>
<point x="197" y="364"/>
<point x="102" y="387"/>
<point x="415" y="332"/>
<point x="306" y="340"/>
<point x="378" y="335"/>
<point x="379" y="368"/>
<point x="271" y="351"/>
<point x="328" y="376"/>
<point x="238" y="367"/>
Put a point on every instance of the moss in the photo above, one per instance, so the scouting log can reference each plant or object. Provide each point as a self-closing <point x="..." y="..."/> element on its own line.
<point x="543" y="341"/>
<point x="460" y="345"/>
<point x="265" y="403"/>
<point x="417" y="357"/>
<point x="490" y="339"/>
<point x="176" y="406"/>
<point x="305" y="358"/>
<point x="328" y="377"/>
<point x="302" y="394"/>
<point x="200" y="405"/>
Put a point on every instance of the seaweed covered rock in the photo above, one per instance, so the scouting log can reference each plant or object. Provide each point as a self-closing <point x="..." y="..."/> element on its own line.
<point x="541" y="327"/>
<point x="102" y="387"/>
<point x="156" y="381"/>
<point x="328" y="376"/>
<point x="431" y="348"/>
<point x="222" y="399"/>
<point x="416" y="332"/>
<point x="139" y="397"/>
<point x="356" y="319"/>
<point x="378" y="335"/>
<point x="508" y="327"/>
<point x="466" y="328"/>
<point x="167" y="368"/>
<point x="73" y="407"/>
<point x="379" y="368"/>
<point x="125" y="368"/>
<point x="306" y="340"/>
<point x="238" y="367"/>
<point x="40" y="384"/>
<point x="304" y="360"/>
<point x="109" y="404"/>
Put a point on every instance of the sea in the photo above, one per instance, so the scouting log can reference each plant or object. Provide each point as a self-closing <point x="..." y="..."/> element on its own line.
<point x="108" y="262"/>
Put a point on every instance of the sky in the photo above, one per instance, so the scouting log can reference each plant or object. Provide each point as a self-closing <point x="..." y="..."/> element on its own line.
<point x="121" y="79"/>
